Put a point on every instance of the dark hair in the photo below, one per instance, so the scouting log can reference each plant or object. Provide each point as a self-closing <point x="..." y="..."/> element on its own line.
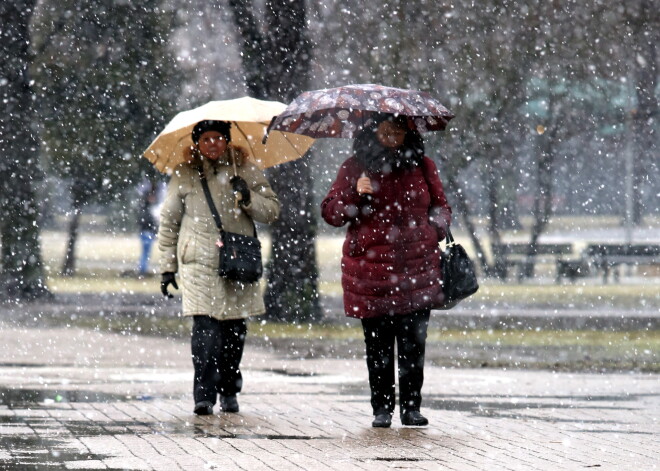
<point x="400" y="120"/>
<point x="200" y="128"/>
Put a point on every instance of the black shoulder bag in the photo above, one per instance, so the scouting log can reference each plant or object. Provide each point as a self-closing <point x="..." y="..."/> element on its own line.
<point x="459" y="278"/>
<point x="240" y="255"/>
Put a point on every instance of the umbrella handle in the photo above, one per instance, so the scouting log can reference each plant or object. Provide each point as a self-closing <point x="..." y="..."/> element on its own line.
<point x="366" y="196"/>
<point x="237" y="198"/>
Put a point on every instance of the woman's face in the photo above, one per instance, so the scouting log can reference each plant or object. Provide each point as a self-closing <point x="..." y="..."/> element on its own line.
<point x="390" y="134"/>
<point x="212" y="145"/>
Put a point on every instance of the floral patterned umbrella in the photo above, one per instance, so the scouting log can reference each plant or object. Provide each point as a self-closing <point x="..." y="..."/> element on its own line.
<point x="341" y="111"/>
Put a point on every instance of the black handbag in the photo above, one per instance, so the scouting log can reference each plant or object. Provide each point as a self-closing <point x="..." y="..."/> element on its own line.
<point x="459" y="278"/>
<point x="240" y="255"/>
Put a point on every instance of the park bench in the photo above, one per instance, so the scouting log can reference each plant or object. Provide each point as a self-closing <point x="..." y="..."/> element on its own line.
<point x="609" y="257"/>
<point x="517" y="255"/>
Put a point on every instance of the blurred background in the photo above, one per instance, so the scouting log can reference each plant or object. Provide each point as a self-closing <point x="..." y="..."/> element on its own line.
<point x="551" y="164"/>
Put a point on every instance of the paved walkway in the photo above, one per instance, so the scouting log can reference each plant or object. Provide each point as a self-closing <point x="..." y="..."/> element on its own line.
<point x="75" y="399"/>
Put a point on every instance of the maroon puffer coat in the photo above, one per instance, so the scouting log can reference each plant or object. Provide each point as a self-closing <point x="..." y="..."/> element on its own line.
<point x="391" y="259"/>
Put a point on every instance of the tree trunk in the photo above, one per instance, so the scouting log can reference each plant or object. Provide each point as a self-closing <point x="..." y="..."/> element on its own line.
<point x="645" y="64"/>
<point x="292" y="292"/>
<point x="543" y="195"/>
<point x="69" y="266"/>
<point x="22" y="268"/>
<point x="276" y="60"/>
<point x="463" y="209"/>
<point x="77" y="203"/>
<point x="493" y="181"/>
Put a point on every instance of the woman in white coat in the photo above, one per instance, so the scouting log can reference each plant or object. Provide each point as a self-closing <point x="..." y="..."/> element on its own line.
<point x="187" y="240"/>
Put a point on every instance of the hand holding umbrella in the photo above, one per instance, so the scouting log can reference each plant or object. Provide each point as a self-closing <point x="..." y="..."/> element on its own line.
<point x="241" y="190"/>
<point x="364" y="185"/>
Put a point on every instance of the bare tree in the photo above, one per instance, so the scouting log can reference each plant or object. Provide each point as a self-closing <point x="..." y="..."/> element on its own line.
<point x="644" y="28"/>
<point x="487" y="63"/>
<point x="22" y="275"/>
<point x="107" y="82"/>
<point x="276" y="58"/>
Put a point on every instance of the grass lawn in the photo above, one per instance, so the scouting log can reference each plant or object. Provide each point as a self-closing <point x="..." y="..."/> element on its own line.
<point x="105" y="263"/>
<point x="491" y="293"/>
<point x="103" y="257"/>
<point x="579" y="295"/>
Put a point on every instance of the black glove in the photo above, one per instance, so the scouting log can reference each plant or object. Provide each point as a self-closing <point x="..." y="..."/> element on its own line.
<point x="240" y="186"/>
<point x="168" y="279"/>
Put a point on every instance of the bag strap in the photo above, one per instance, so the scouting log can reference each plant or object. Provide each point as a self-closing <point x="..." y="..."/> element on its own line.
<point x="209" y="201"/>
<point x="449" y="239"/>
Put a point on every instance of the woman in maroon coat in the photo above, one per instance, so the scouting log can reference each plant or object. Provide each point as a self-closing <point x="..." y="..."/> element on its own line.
<point x="392" y="199"/>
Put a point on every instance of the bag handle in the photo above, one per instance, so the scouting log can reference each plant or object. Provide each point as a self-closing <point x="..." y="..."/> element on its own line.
<point x="449" y="239"/>
<point x="209" y="201"/>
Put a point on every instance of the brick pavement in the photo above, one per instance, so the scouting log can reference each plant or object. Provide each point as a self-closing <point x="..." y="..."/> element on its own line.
<point x="75" y="399"/>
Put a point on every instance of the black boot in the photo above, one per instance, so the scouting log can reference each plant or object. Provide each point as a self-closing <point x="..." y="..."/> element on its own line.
<point x="413" y="417"/>
<point x="382" y="418"/>
<point x="229" y="403"/>
<point x="203" y="408"/>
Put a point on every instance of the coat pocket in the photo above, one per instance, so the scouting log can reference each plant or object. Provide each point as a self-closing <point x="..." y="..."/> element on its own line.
<point x="186" y="249"/>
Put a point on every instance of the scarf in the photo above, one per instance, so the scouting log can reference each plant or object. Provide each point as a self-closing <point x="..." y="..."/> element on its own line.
<point x="376" y="158"/>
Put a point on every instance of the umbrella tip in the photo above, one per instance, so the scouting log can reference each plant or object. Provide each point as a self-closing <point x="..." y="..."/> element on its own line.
<point x="268" y="129"/>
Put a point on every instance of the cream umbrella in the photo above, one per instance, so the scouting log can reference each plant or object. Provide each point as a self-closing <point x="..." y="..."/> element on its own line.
<point x="249" y="118"/>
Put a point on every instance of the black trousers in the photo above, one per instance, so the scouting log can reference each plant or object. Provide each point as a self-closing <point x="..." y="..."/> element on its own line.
<point x="217" y="349"/>
<point x="380" y="335"/>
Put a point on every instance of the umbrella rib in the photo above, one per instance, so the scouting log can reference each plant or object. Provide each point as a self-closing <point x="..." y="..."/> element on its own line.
<point x="185" y="136"/>
<point x="252" y="149"/>
<point x="291" y="144"/>
<point x="165" y="159"/>
<point x="245" y="137"/>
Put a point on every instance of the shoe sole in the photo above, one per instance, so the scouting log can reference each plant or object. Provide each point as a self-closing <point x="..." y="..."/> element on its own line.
<point x="421" y="424"/>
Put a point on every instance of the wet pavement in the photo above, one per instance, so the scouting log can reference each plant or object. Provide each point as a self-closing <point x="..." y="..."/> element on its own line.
<point x="81" y="399"/>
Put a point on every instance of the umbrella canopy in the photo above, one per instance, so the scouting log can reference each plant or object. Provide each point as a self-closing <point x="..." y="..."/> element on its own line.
<point x="342" y="111"/>
<point x="249" y="118"/>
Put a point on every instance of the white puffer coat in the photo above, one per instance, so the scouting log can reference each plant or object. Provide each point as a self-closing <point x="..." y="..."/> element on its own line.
<point x="187" y="236"/>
